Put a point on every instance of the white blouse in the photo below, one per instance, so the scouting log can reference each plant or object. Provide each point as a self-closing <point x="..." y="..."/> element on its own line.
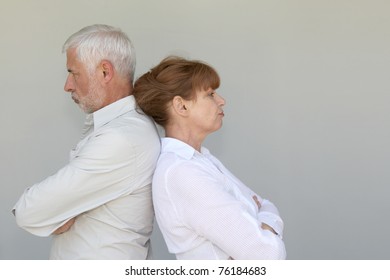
<point x="205" y="212"/>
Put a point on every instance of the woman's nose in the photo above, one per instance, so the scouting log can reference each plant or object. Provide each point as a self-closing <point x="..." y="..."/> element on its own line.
<point x="221" y="100"/>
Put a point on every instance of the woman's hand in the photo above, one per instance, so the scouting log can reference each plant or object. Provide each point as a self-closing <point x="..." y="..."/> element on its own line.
<point x="257" y="201"/>
<point x="263" y="225"/>
<point x="267" y="227"/>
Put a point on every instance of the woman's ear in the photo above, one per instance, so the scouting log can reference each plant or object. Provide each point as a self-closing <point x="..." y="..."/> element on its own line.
<point x="179" y="106"/>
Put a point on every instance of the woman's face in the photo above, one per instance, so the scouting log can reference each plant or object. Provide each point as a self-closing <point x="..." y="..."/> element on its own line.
<point x="206" y="111"/>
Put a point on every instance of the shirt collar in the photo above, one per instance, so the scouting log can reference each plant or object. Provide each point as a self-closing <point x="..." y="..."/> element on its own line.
<point x="112" y="111"/>
<point x="172" y="145"/>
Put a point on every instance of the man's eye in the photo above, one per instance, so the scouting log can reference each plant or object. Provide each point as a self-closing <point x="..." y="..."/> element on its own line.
<point x="75" y="75"/>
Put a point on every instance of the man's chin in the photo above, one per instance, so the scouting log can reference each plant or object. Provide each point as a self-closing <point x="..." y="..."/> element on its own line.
<point x="86" y="110"/>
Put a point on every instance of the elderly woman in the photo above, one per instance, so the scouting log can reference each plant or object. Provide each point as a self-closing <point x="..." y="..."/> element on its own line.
<point x="202" y="209"/>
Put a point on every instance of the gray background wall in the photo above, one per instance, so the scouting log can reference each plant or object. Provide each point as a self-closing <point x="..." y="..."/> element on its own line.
<point x="307" y="114"/>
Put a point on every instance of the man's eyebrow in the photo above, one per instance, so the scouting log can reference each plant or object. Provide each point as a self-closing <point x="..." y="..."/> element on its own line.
<point x="72" y="71"/>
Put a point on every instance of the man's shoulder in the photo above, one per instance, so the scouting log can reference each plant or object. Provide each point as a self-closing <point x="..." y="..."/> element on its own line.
<point x="130" y="122"/>
<point x="127" y="131"/>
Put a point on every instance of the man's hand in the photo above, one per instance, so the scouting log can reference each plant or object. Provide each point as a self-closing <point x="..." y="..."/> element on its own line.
<point x="65" y="227"/>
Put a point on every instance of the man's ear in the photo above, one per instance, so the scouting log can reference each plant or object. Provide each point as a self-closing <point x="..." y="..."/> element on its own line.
<point x="107" y="70"/>
<point x="179" y="106"/>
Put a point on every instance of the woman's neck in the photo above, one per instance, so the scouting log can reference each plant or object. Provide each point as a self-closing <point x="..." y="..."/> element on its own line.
<point x="185" y="135"/>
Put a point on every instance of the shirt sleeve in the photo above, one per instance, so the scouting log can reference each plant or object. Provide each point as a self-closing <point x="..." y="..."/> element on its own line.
<point x="99" y="173"/>
<point x="268" y="212"/>
<point x="269" y="215"/>
<point x="203" y="204"/>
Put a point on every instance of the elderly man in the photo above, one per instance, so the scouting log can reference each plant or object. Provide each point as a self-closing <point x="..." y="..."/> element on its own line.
<point x="99" y="205"/>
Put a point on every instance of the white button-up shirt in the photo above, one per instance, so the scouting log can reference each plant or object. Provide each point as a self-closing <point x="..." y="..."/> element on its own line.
<point x="106" y="185"/>
<point x="205" y="212"/>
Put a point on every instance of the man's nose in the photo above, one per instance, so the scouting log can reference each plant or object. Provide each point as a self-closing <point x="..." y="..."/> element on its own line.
<point x="69" y="85"/>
